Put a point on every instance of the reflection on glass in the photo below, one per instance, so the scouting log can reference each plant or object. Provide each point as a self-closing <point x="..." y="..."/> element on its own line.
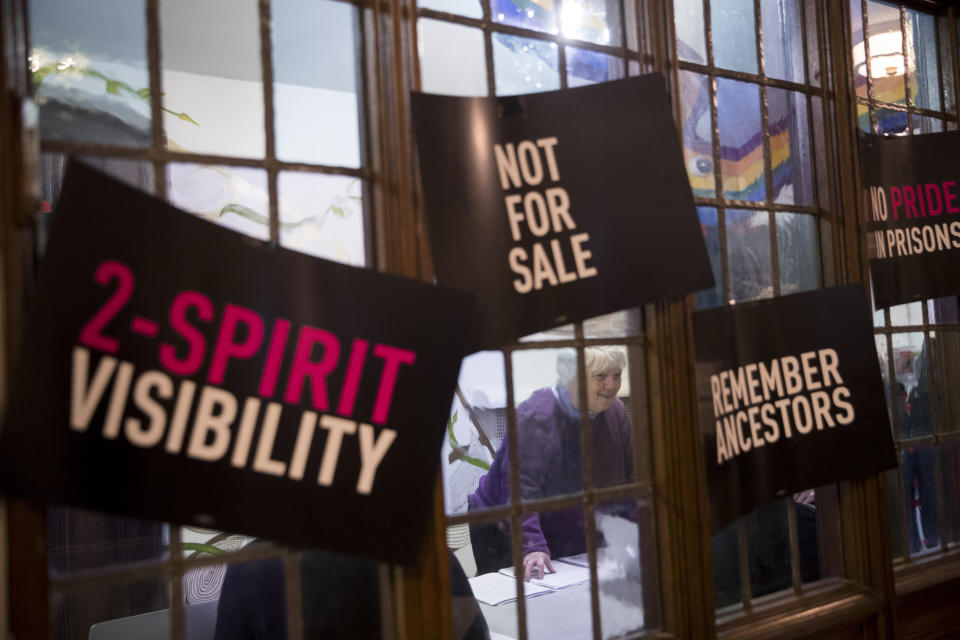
<point x="452" y="59"/>
<point x="622" y="564"/>
<point x="688" y="23"/>
<point x="129" y="609"/>
<point x="943" y="310"/>
<point x="886" y="66"/>
<point x="924" y="68"/>
<point x="949" y="100"/>
<point x="90" y="77"/>
<point x="79" y="540"/>
<point x="468" y="8"/>
<point x="926" y="124"/>
<point x="813" y="47"/>
<point x="748" y="255"/>
<point x="619" y="324"/>
<point x="315" y="82"/>
<point x="911" y="366"/>
<point x="905" y="315"/>
<point x="945" y="346"/>
<point x="589" y="67"/>
<point x="322" y="215"/>
<point x="950" y="455"/>
<point x="856" y="39"/>
<point x="881" y="341"/>
<point x="592" y="20"/>
<point x="920" y="495"/>
<point x="537" y="15"/>
<point x="725" y="551"/>
<point x="783" y="50"/>
<point x="797" y="254"/>
<point x="211" y="78"/>
<point x="741" y="140"/>
<point x="697" y="138"/>
<point x="734" y="35"/>
<point x="711" y="238"/>
<point x="890" y="121"/>
<point x="790" y="157"/>
<point x="768" y="539"/>
<point x="233" y="197"/>
<point x="522" y="65"/>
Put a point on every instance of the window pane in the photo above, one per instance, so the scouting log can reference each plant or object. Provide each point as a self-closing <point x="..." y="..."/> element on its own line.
<point x="452" y="60"/>
<point x="924" y="69"/>
<point x="859" y="52"/>
<point x="748" y="255"/>
<point x="322" y="215"/>
<point x="882" y="342"/>
<point x="813" y="45"/>
<point x="128" y="609"/>
<point x="213" y="93"/>
<point x="945" y="346"/>
<point x="768" y="540"/>
<point x="819" y="141"/>
<point x="588" y="67"/>
<point x="943" y="26"/>
<point x="886" y="65"/>
<point x="741" y="140"/>
<point x="688" y="22"/>
<point x="79" y="540"/>
<point x="920" y="493"/>
<point x="734" y="35"/>
<point x="537" y="15"/>
<point x="233" y="197"/>
<point x="783" y="50"/>
<point x="913" y="383"/>
<point x="469" y="8"/>
<point x="592" y="20"/>
<point x="621" y="565"/>
<point x="315" y="82"/>
<point x="797" y="254"/>
<point x="926" y="124"/>
<point x="619" y="324"/>
<point x="890" y="121"/>
<point x="711" y="237"/>
<point x="522" y="65"/>
<point x="697" y="146"/>
<point x="725" y="551"/>
<point x="943" y="310"/>
<point x="789" y="130"/>
<point x="906" y="315"/>
<point x="950" y="455"/>
<point x="89" y="76"/>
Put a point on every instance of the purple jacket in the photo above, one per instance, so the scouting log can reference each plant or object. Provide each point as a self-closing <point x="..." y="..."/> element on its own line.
<point x="548" y="439"/>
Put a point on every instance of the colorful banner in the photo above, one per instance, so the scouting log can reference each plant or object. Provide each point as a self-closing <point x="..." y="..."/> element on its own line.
<point x="558" y="206"/>
<point x="790" y="397"/>
<point x="178" y="371"/>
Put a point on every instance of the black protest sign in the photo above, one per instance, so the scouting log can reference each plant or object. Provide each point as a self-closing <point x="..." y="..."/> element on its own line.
<point x="178" y="371"/>
<point x="558" y="206"/>
<point x="790" y="397"/>
<point x="911" y="199"/>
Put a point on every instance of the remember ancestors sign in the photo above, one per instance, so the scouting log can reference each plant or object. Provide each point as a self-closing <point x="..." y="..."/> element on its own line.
<point x="912" y="201"/>
<point x="790" y="397"/>
<point x="176" y="370"/>
<point x="558" y="206"/>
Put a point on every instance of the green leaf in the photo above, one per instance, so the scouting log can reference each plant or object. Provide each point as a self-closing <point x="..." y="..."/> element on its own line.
<point x="338" y="211"/>
<point x="200" y="547"/>
<point x="113" y="87"/>
<point x="184" y="116"/>
<point x="477" y="462"/>
<point x="143" y="93"/>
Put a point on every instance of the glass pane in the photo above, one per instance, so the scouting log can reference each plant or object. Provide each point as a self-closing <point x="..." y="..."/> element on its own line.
<point x="805" y="508"/>
<point x="452" y="59"/>
<point x="522" y="65"/>
<point x="532" y="14"/>
<point x="90" y="78"/>
<point x="863" y="117"/>
<point x="213" y="93"/>
<point x="469" y="8"/>
<point x="588" y="67"/>
<point x="883" y="357"/>
<point x="797" y="254"/>
<point x="859" y="54"/>
<point x="468" y="618"/>
<point x="945" y="346"/>
<point x="768" y="538"/>
<point x="725" y="550"/>
<point x="791" y="160"/>
<point x="783" y="50"/>
<point x="895" y="509"/>
<point x="233" y="197"/>
<point x="79" y="540"/>
<point x="819" y="142"/>
<point x="619" y="324"/>
<point x="711" y="237"/>
<point x="886" y="65"/>
<point x="322" y="215"/>
<point x="697" y="146"/>
<point x="476" y="431"/>
<point x="621" y="565"/>
<point x="924" y="66"/>
<point x="943" y="25"/>
<point x="315" y="102"/>
<point x="943" y="311"/>
<point x="748" y="255"/>
<point x="741" y="140"/>
<point x="912" y="372"/>
<point x="592" y="20"/>
<point x="926" y="124"/>
<point x="734" y="35"/>
<point x="906" y="315"/>
<point x="950" y="456"/>
<point x="920" y="493"/>
<point x="129" y="609"/>
<point x="813" y="45"/>
<point x="688" y="22"/>
<point x="890" y="121"/>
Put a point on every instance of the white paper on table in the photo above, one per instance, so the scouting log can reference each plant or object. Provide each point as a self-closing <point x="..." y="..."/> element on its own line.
<point x="579" y="560"/>
<point x="564" y="575"/>
<point x="496" y="588"/>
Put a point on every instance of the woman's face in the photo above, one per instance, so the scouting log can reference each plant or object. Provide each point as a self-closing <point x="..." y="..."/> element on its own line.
<point x="602" y="388"/>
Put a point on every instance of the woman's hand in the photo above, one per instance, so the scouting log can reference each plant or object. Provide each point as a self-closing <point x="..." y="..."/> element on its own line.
<point x="535" y="565"/>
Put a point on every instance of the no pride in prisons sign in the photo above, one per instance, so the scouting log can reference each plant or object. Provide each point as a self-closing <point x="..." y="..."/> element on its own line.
<point x="790" y="397"/>
<point x="178" y="371"/>
<point x="912" y="201"/>
<point x="558" y="206"/>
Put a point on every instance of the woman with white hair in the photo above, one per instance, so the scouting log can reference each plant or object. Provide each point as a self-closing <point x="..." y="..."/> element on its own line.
<point x="548" y="439"/>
